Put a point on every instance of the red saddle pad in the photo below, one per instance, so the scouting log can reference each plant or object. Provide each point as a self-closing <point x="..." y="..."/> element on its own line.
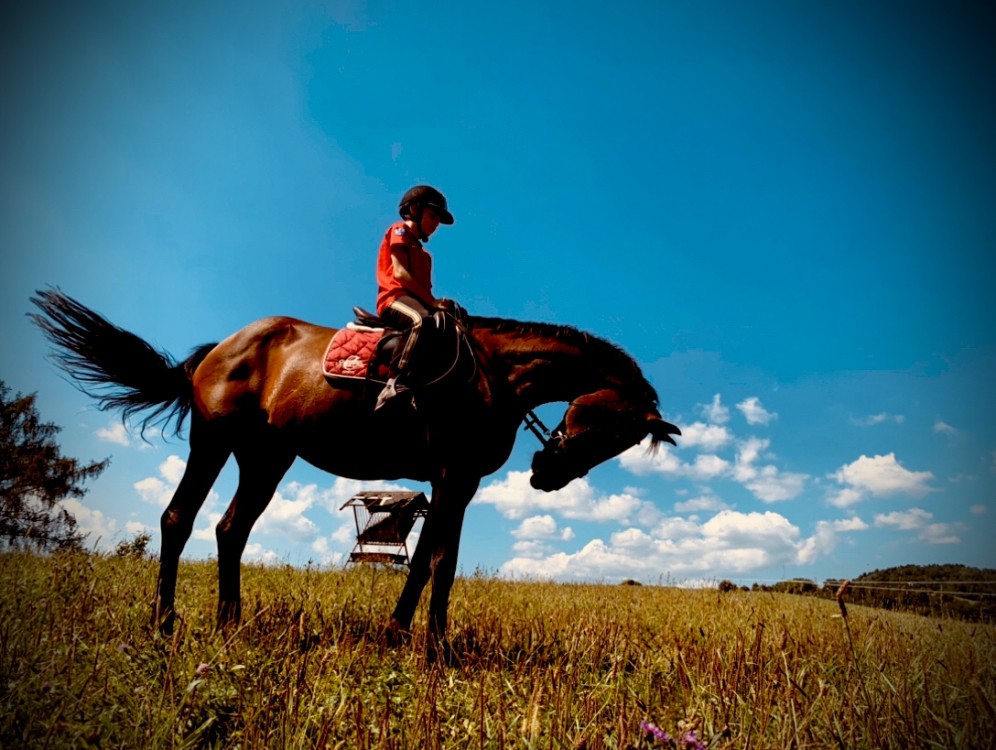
<point x="350" y="353"/>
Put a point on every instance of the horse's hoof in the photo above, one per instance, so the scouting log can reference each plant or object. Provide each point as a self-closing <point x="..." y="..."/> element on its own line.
<point x="395" y="635"/>
<point x="437" y="652"/>
<point x="229" y="615"/>
<point x="163" y="622"/>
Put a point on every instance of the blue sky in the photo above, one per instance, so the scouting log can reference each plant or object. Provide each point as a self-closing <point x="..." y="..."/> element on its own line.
<point x="784" y="211"/>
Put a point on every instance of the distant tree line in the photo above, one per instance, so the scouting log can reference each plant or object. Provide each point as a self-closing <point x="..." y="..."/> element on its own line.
<point x="952" y="590"/>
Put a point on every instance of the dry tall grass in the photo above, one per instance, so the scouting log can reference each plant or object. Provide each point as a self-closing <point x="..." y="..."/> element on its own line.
<point x="543" y="666"/>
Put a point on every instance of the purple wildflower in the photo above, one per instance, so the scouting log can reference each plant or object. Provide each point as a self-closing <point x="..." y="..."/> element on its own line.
<point x="203" y="668"/>
<point x="690" y="742"/>
<point x="651" y="730"/>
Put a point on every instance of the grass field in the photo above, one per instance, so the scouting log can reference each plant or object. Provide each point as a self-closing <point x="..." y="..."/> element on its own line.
<point x="542" y="666"/>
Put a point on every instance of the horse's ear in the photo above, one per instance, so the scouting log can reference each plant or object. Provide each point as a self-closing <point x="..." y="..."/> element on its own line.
<point x="661" y="430"/>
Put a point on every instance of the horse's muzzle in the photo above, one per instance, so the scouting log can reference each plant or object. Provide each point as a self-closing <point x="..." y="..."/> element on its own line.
<point x="551" y="472"/>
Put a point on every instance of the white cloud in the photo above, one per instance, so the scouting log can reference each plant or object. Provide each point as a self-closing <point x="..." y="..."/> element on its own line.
<point x="767" y="483"/>
<point x="941" y="533"/>
<point x="914" y="518"/>
<point x="172" y="469"/>
<point x="979" y="509"/>
<point x="515" y="498"/>
<point x="154" y="491"/>
<point x="728" y="543"/>
<point x="943" y="428"/>
<point x="710" y="437"/>
<point x="159" y="490"/>
<point x="748" y="452"/>
<point x="285" y="515"/>
<point x="715" y="412"/>
<point x="326" y="555"/>
<point x="918" y="519"/>
<point x="878" y="476"/>
<point x="824" y="539"/>
<point x="134" y="528"/>
<point x="707" y="501"/>
<point x="98" y="528"/>
<point x="754" y="412"/>
<point x="773" y="486"/>
<point x="256" y="552"/>
<point x="542" y="527"/>
<point x="115" y="432"/>
<point x="664" y="461"/>
<point x="846" y="497"/>
<point x="877" y="419"/>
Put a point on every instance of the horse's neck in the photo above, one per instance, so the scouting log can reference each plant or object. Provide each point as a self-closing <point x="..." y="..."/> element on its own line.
<point x="541" y="367"/>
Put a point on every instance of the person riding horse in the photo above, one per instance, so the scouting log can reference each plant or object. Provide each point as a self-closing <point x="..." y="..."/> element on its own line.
<point x="404" y="274"/>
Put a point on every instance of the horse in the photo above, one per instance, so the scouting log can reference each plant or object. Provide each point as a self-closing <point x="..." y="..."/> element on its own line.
<point x="260" y="395"/>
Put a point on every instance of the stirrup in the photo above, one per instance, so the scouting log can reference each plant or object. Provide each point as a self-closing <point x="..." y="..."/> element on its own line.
<point x="388" y="392"/>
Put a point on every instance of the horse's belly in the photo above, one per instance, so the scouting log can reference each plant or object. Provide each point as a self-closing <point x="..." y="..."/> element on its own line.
<point x="366" y="446"/>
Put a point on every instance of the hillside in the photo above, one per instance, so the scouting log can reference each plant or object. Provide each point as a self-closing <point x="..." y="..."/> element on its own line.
<point x="540" y="665"/>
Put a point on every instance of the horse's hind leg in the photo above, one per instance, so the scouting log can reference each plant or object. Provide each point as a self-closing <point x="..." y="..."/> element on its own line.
<point x="207" y="457"/>
<point x="261" y="467"/>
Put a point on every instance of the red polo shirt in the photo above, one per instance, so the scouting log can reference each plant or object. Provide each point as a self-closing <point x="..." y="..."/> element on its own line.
<point x="400" y="239"/>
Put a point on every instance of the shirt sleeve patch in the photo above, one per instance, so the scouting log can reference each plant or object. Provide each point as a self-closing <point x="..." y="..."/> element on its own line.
<point x="401" y="231"/>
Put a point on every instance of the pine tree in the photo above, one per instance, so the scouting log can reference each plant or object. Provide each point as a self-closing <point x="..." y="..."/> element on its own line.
<point x="35" y="478"/>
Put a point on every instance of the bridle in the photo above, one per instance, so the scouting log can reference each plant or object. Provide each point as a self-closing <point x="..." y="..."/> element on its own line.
<point x="543" y="433"/>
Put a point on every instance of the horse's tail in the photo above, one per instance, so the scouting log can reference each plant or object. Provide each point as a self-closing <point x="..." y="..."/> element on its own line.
<point x="114" y="367"/>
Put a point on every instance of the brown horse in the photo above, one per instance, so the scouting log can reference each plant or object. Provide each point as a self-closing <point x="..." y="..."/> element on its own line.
<point x="261" y="396"/>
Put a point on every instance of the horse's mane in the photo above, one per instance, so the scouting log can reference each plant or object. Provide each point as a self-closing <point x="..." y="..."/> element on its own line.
<point x="571" y="336"/>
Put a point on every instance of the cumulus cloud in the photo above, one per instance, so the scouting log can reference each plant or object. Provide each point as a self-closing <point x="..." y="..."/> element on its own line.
<point x="256" y="552"/>
<point x="754" y="412"/>
<point x="116" y="433"/>
<point x="773" y="486"/>
<point x="665" y="461"/>
<point x="285" y="515"/>
<point x="707" y="501"/>
<point x="159" y="490"/>
<point x="941" y="533"/>
<point x="728" y="543"/>
<point x="542" y="527"/>
<point x="918" y="519"/>
<point x="877" y="476"/>
<point x="715" y="412"/>
<point x="324" y="553"/>
<point x="825" y="537"/>
<point x="710" y="437"/>
<point x="913" y="518"/>
<point x="767" y="483"/>
<point x="94" y="524"/>
<point x="513" y="497"/>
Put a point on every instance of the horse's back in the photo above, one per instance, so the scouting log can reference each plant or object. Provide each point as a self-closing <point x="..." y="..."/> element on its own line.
<point x="250" y="369"/>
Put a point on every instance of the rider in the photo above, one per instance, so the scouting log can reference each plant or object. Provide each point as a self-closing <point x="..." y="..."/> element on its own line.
<point x="404" y="270"/>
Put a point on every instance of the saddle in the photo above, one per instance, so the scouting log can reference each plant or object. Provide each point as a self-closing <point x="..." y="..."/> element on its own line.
<point x="366" y="352"/>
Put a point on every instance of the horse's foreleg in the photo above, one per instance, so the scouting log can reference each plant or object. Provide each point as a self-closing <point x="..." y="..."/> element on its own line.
<point x="203" y="466"/>
<point x="260" y="470"/>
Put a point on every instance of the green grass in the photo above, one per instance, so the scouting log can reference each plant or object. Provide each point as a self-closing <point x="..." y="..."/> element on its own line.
<point x="542" y="666"/>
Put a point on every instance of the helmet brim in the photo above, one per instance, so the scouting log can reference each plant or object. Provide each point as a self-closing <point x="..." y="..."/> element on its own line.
<point x="445" y="217"/>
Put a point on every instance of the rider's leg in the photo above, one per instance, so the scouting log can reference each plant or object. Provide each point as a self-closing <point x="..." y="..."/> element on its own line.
<point x="404" y="313"/>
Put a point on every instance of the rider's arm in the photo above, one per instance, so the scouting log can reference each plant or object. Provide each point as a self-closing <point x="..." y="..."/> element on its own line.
<point x="409" y="282"/>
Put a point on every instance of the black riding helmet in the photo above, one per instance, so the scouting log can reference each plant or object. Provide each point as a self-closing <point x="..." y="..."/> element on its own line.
<point x="424" y="195"/>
